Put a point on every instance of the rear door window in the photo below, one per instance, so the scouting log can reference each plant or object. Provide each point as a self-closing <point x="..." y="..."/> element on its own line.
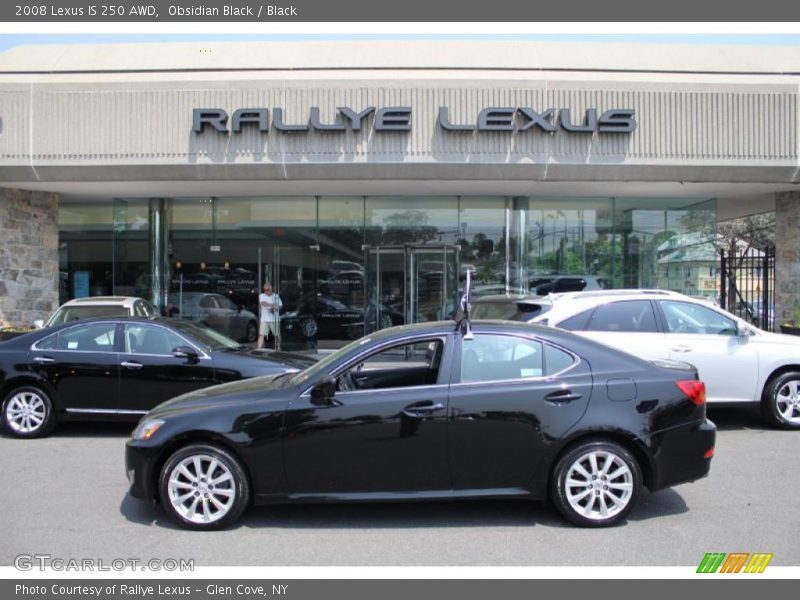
<point x="97" y="337"/>
<point x="634" y="316"/>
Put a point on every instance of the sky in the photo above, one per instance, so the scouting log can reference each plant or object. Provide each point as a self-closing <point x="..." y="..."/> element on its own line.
<point x="8" y="41"/>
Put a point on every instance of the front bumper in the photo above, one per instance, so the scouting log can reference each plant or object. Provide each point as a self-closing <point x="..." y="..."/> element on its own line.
<point x="139" y="464"/>
<point x="682" y="454"/>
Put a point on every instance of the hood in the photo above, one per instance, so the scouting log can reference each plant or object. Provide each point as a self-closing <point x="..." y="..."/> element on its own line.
<point x="766" y="337"/>
<point x="225" y="394"/>
<point x="290" y="359"/>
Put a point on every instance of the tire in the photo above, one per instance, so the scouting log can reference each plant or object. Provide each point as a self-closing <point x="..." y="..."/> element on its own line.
<point x="27" y="412"/>
<point x="780" y="404"/>
<point x="191" y="500"/>
<point x="354" y="332"/>
<point x="308" y="327"/>
<point x="386" y="322"/>
<point x="581" y="499"/>
<point x="251" y="332"/>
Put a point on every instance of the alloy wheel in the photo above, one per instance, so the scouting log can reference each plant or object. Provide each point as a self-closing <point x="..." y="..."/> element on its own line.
<point x="26" y="412"/>
<point x="308" y="327"/>
<point x="599" y="485"/>
<point x="201" y="489"/>
<point x="787" y="402"/>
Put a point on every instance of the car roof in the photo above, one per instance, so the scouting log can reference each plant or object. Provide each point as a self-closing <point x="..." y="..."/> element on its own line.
<point x="567" y="304"/>
<point x="102" y="301"/>
<point x="515" y="298"/>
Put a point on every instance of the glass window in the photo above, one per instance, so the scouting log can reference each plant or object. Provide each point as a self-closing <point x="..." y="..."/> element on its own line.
<point x="481" y="237"/>
<point x="208" y="302"/>
<point x="404" y="365"/>
<point x="48" y="343"/>
<point x="149" y="339"/>
<point x="490" y="357"/>
<point x="633" y="316"/>
<point x="578" y="322"/>
<point x="685" y="317"/>
<point x="96" y="337"/>
<point x="204" y="336"/>
<point x="556" y="360"/>
<point x="76" y="313"/>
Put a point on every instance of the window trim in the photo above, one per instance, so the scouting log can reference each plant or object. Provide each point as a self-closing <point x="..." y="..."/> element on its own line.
<point x="443" y="337"/>
<point x="720" y="313"/>
<point x="653" y="311"/>
<point x="542" y="341"/>
<point x="35" y="346"/>
<point x="201" y="354"/>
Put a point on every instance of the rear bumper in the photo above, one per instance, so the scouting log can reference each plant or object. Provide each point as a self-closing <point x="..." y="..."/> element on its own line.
<point x="681" y="454"/>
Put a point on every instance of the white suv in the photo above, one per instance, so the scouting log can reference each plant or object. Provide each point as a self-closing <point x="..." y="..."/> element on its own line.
<point x="737" y="361"/>
<point x="99" y="306"/>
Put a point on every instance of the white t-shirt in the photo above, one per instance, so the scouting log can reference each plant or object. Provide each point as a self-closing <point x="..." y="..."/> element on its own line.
<point x="269" y="315"/>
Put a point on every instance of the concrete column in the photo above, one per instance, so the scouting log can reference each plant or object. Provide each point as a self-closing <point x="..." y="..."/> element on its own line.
<point x="787" y="255"/>
<point x="28" y="255"/>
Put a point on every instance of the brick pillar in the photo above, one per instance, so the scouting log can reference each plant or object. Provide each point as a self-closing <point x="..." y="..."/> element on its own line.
<point x="787" y="255"/>
<point x="28" y="255"/>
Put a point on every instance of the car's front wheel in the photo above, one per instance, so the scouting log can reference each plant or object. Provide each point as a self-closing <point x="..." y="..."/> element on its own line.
<point x="780" y="405"/>
<point x="308" y="327"/>
<point x="204" y="487"/>
<point x="27" y="412"/>
<point x="596" y="483"/>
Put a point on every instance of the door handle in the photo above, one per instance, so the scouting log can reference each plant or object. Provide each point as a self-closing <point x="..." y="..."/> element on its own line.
<point x="44" y="360"/>
<point x="418" y="411"/>
<point x="133" y="366"/>
<point x="562" y="397"/>
<point x="682" y="348"/>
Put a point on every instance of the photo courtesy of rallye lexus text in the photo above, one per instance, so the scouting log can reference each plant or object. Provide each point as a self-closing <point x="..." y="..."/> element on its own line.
<point x="438" y="410"/>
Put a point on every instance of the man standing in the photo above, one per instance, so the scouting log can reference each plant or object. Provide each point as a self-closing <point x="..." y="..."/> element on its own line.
<point x="269" y="305"/>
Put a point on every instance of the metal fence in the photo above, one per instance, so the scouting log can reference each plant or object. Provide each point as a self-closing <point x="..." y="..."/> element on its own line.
<point x="747" y="285"/>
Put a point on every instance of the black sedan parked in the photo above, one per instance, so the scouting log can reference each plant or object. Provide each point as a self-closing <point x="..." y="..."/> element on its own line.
<point x="118" y="369"/>
<point x="428" y="411"/>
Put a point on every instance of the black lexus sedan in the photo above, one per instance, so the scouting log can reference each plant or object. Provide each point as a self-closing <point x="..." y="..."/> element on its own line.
<point x="432" y="411"/>
<point x="118" y="368"/>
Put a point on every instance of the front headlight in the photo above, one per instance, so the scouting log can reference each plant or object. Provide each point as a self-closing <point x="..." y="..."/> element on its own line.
<point x="145" y="430"/>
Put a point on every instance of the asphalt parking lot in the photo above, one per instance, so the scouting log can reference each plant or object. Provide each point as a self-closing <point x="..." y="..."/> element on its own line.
<point x="66" y="495"/>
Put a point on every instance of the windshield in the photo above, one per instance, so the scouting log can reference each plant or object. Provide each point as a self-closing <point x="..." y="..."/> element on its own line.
<point x="211" y="339"/>
<point x="323" y="365"/>
<point x="65" y="314"/>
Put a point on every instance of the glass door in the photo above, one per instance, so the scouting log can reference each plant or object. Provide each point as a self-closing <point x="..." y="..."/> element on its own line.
<point x="409" y="284"/>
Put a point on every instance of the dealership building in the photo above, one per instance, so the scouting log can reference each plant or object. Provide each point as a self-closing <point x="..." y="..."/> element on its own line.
<point x="362" y="178"/>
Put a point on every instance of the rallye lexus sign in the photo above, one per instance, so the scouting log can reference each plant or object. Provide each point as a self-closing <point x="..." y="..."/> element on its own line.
<point x="398" y="119"/>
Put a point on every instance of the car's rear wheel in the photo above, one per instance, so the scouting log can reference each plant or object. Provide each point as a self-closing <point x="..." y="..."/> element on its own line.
<point x="251" y="332"/>
<point x="780" y="405"/>
<point x="596" y="483"/>
<point x="27" y="412"/>
<point x="204" y="487"/>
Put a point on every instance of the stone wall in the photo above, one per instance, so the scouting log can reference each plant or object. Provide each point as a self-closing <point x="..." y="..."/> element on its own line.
<point x="28" y="256"/>
<point x="787" y="255"/>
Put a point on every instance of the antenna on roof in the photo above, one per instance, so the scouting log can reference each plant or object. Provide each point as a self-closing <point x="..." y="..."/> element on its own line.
<point x="465" y="306"/>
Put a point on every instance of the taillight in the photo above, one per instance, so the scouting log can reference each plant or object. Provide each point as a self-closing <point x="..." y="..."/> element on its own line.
<point x="694" y="390"/>
<point x="709" y="453"/>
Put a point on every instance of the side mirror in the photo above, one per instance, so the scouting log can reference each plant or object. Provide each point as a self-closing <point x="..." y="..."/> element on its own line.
<point x="38" y="323"/>
<point x="187" y="352"/>
<point x="742" y="332"/>
<point x="323" y="392"/>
